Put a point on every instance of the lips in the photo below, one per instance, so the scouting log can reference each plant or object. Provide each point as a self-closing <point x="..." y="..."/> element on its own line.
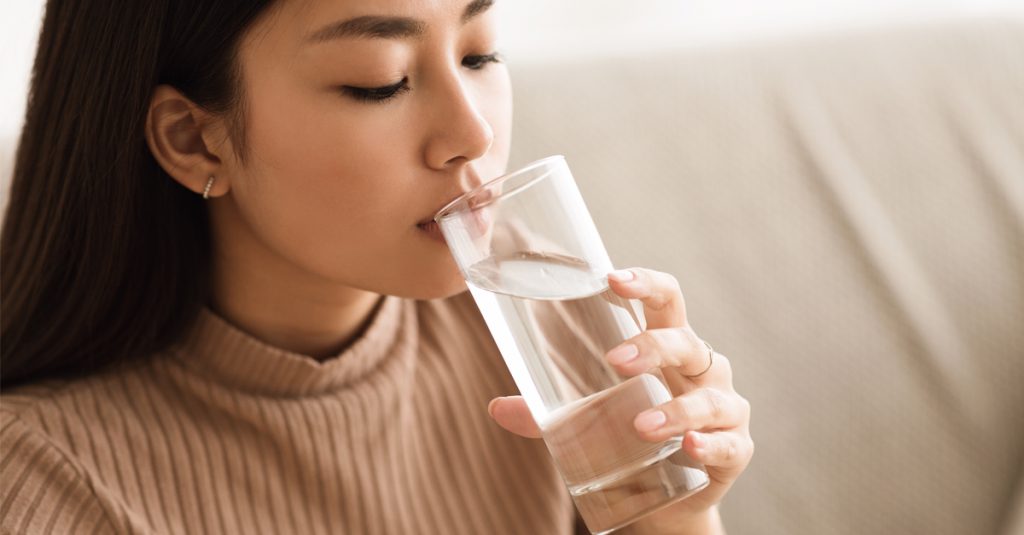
<point x="479" y="222"/>
<point x="477" y="200"/>
<point x="430" y="219"/>
<point x="433" y="230"/>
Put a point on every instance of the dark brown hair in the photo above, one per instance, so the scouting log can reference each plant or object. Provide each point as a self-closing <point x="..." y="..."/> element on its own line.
<point x="104" y="257"/>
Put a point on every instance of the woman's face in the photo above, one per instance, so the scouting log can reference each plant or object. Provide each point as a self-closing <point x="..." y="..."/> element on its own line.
<point x="362" y="119"/>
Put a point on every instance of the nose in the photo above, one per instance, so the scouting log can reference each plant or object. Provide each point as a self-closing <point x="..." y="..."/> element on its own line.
<point x="459" y="133"/>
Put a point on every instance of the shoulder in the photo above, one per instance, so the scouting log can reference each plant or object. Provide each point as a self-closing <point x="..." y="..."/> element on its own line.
<point x="28" y="410"/>
<point x="57" y="438"/>
<point x="58" y="409"/>
<point x="44" y="489"/>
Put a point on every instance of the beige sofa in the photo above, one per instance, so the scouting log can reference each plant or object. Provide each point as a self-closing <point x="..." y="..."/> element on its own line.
<point x="846" y="216"/>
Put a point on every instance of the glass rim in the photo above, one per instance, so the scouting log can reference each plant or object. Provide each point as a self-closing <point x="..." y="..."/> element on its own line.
<point x="449" y="209"/>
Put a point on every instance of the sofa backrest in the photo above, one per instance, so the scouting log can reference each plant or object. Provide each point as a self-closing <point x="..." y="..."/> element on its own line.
<point x="845" y="214"/>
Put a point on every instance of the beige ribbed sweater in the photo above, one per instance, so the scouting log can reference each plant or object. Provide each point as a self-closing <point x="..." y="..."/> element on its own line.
<point x="226" y="434"/>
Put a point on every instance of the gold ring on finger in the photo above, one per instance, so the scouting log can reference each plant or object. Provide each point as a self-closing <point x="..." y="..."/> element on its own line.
<point x="711" y="360"/>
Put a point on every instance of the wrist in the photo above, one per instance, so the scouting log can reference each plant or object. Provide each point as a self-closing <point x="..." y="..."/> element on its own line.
<point x="707" y="522"/>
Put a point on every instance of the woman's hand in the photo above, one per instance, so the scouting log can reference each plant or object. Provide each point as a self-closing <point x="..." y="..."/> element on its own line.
<point x="713" y="419"/>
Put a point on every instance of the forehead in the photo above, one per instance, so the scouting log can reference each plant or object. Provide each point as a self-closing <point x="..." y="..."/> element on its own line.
<point x="285" y="42"/>
<point x="288" y="28"/>
<point x="303" y="17"/>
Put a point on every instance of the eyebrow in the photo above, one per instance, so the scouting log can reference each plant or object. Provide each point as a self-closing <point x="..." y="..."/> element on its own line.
<point x="475" y="8"/>
<point x="381" y="27"/>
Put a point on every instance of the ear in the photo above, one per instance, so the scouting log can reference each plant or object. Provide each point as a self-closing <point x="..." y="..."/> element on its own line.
<point x="189" y="143"/>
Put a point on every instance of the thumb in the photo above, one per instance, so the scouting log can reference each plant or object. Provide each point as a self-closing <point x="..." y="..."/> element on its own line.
<point x="513" y="414"/>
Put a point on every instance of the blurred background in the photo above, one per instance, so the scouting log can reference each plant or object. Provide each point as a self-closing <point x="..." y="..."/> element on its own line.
<point x="839" y="187"/>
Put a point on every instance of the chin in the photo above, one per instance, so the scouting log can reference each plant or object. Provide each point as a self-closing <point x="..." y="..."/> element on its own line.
<point x="455" y="288"/>
<point x="441" y="282"/>
<point x="428" y="290"/>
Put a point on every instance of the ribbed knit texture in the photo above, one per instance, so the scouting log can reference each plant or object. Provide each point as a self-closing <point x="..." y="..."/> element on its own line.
<point x="226" y="434"/>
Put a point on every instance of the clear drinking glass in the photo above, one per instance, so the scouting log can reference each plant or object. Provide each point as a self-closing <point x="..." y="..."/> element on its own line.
<point x="537" y="268"/>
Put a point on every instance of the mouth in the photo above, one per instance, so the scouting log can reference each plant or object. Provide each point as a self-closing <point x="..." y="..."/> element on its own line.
<point x="432" y="230"/>
<point x="476" y="203"/>
<point x="479" y="224"/>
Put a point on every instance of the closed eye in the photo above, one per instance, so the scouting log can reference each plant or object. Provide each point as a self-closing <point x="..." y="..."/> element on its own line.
<point x="377" y="94"/>
<point x="478" y="62"/>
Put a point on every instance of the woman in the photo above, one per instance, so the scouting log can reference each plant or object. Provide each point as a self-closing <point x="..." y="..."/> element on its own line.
<point x="222" y="309"/>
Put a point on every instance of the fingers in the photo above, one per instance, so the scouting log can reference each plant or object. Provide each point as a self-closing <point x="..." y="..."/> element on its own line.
<point x="725" y="453"/>
<point x="679" y="348"/>
<point x="513" y="414"/>
<point x="704" y="408"/>
<point x="659" y="292"/>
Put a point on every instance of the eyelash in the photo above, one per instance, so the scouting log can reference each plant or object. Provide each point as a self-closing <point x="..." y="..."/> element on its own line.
<point x="377" y="94"/>
<point x="480" y="61"/>
<point x="388" y="92"/>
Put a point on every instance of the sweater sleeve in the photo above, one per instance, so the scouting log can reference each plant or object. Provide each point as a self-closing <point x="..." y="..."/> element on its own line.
<point x="41" y="491"/>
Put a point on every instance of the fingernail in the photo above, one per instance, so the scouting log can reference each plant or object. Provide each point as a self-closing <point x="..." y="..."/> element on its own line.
<point x="622" y="275"/>
<point x="623" y="354"/>
<point x="490" y="407"/>
<point x="649" y="421"/>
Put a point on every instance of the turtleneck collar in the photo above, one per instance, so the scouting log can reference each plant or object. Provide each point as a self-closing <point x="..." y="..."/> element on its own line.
<point x="223" y="352"/>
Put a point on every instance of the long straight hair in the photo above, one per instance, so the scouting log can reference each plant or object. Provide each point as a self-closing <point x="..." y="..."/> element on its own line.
<point x="104" y="257"/>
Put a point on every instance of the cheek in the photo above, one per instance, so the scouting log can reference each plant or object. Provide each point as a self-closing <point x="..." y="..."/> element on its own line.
<point x="315" y="159"/>
<point x="344" y="213"/>
<point x="314" y="190"/>
<point x="304" y="137"/>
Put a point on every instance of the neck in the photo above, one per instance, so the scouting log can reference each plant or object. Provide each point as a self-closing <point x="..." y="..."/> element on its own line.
<point x="282" y="304"/>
